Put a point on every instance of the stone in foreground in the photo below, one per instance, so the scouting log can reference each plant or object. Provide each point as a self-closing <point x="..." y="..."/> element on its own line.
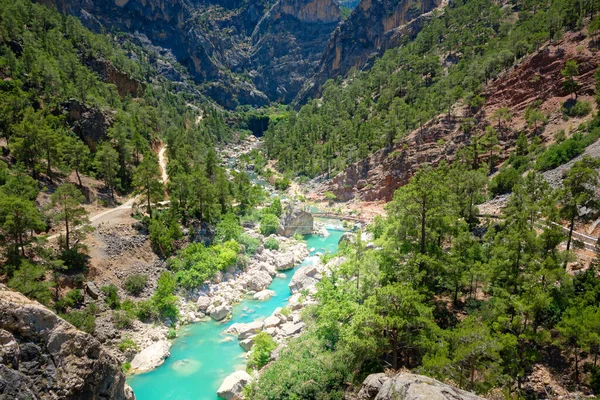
<point x="232" y="386"/>
<point x="44" y="357"/>
<point x="408" y="386"/>
<point x="151" y="357"/>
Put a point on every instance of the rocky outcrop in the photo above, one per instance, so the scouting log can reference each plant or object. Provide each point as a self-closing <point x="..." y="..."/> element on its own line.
<point x="288" y="42"/>
<point x="230" y="46"/>
<point x="232" y="386"/>
<point x="296" y="221"/>
<point x="125" y="84"/>
<point x="378" y="176"/>
<point x="220" y="312"/>
<point x="372" y="28"/>
<point x="44" y="357"/>
<point x="304" y="277"/>
<point x="151" y="357"/>
<point x="89" y="123"/>
<point x="408" y="386"/>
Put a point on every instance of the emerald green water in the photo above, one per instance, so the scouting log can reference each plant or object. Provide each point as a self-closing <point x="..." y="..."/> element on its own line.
<point x="203" y="355"/>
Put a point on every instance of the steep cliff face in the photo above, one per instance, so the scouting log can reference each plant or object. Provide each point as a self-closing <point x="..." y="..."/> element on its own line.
<point x="225" y="42"/>
<point x="288" y="42"/>
<point x="372" y="28"/>
<point x="378" y="176"/>
<point x="44" y="357"/>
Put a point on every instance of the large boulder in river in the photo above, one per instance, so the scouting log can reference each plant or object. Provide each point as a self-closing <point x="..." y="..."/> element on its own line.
<point x="408" y="386"/>
<point x="220" y="312"/>
<point x="304" y="278"/>
<point x="44" y="357"/>
<point x="296" y="220"/>
<point x="249" y="329"/>
<point x="258" y="280"/>
<point x="151" y="357"/>
<point x="284" y="261"/>
<point x="232" y="386"/>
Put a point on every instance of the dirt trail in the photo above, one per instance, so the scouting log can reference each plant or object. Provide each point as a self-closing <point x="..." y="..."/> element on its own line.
<point x="162" y="162"/>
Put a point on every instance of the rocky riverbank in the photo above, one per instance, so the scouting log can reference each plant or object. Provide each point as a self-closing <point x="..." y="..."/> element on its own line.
<point x="216" y="299"/>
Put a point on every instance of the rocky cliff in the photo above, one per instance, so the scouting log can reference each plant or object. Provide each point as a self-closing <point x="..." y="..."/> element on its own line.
<point x="242" y="52"/>
<point x="408" y="386"/>
<point x="44" y="357"/>
<point x="373" y="27"/>
<point x="288" y="42"/>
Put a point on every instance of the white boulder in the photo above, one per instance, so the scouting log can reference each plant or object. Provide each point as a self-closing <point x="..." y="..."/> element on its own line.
<point x="151" y="357"/>
<point x="264" y="295"/>
<point x="232" y="386"/>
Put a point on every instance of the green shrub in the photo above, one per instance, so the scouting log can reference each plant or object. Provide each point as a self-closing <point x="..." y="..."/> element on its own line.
<point x="111" y="296"/>
<point x="73" y="298"/>
<point x="172" y="334"/>
<point x="504" y="181"/>
<point x="197" y="263"/>
<point x="298" y="237"/>
<point x="146" y="311"/>
<point x="282" y="183"/>
<point x="135" y="284"/>
<point x="74" y="259"/>
<point x="275" y="207"/>
<point x="164" y="298"/>
<point x="163" y="231"/>
<point x="123" y="320"/>
<point x="84" y="320"/>
<point x="269" y="223"/>
<point x="579" y="109"/>
<point x="286" y="312"/>
<point x="228" y="228"/>
<point x="250" y="244"/>
<point x="271" y="244"/>
<point x="563" y="152"/>
<point x="29" y="279"/>
<point x="261" y="351"/>
<point x="127" y="344"/>
<point x="126" y="366"/>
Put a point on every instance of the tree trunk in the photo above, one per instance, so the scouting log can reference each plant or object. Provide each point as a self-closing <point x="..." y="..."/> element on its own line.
<point x="67" y="230"/>
<point x="571" y="227"/>
<point x="423" y="219"/>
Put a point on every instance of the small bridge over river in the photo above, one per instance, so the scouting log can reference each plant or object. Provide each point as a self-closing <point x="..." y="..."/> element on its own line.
<point x="330" y="215"/>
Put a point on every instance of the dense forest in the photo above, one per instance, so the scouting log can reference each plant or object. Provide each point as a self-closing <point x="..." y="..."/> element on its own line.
<point x="474" y="301"/>
<point x="451" y="59"/>
<point x="48" y="63"/>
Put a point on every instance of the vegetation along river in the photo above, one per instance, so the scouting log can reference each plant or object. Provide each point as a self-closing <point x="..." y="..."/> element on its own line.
<point x="203" y="355"/>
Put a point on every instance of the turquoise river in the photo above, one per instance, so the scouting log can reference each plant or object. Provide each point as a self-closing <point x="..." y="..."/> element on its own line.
<point x="203" y="355"/>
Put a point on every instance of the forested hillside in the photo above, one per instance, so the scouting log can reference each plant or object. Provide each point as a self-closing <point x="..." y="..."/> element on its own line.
<point x="451" y="59"/>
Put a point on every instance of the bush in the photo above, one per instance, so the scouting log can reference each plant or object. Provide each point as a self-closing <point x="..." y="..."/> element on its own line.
<point x="84" y="320"/>
<point x="228" y="228"/>
<point x="111" y="296"/>
<point x="264" y="344"/>
<point x="197" y="263"/>
<point x="504" y="181"/>
<point x="146" y="311"/>
<point x="172" y="334"/>
<point x="74" y="260"/>
<point x="282" y="183"/>
<point x="305" y="370"/>
<point x="127" y="344"/>
<point x="164" y="299"/>
<point x="272" y="244"/>
<point x="286" y="312"/>
<point x="250" y="244"/>
<point x="563" y="152"/>
<point x="126" y="366"/>
<point x="71" y="299"/>
<point x="269" y="223"/>
<point x="29" y="280"/>
<point x="275" y="207"/>
<point x="163" y="231"/>
<point x="579" y="109"/>
<point x="135" y="284"/>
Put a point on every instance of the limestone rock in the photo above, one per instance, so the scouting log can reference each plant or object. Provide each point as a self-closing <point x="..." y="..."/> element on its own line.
<point x="284" y="262"/>
<point x="271" y="322"/>
<point x="264" y="295"/>
<point x="92" y="290"/>
<point x="258" y="280"/>
<point x="410" y="387"/>
<point x="203" y="303"/>
<point x="151" y="357"/>
<point x="304" y="278"/>
<point x="247" y="343"/>
<point x="289" y="328"/>
<point x="295" y="220"/>
<point x="232" y="386"/>
<point x="249" y="329"/>
<point x="55" y="359"/>
<point x="220" y="312"/>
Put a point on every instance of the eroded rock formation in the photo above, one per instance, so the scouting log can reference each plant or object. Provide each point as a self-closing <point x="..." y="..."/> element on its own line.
<point x="44" y="357"/>
<point x="408" y="386"/>
<point x="372" y="28"/>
